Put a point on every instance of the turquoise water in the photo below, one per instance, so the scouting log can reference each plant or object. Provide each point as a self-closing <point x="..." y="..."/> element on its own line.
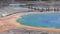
<point x="48" y="20"/>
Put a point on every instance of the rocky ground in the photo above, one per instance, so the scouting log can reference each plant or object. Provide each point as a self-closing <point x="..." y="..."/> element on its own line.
<point x="22" y="31"/>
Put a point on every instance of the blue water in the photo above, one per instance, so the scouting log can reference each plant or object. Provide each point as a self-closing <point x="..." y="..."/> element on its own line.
<point x="47" y="20"/>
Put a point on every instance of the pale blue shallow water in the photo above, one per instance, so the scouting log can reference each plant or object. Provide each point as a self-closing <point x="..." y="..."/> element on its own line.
<point x="48" y="20"/>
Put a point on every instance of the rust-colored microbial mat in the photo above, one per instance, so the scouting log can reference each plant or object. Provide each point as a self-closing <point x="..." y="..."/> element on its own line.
<point x="43" y="21"/>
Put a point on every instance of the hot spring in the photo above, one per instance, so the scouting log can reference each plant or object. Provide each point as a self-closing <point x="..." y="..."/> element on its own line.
<point x="43" y="20"/>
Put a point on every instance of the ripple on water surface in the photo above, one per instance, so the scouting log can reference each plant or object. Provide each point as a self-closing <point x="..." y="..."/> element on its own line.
<point x="45" y="20"/>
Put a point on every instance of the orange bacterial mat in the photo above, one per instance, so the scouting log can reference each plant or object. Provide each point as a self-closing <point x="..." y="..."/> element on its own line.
<point x="9" y="22"/>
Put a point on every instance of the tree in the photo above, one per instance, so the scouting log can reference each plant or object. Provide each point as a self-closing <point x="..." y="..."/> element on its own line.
<point x="1" y="0"/>
<point x="45" y="0"/>
<point x="25" y="0"/>
<point x="30" y="0"/>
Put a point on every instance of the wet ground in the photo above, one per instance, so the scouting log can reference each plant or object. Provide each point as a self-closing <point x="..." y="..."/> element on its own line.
<point x="22" y="31"/>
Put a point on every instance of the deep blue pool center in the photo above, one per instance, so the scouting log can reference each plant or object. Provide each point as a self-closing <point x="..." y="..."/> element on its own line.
<point x="44" y="20"/>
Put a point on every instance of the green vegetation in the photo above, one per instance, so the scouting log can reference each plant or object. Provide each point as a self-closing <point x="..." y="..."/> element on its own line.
<point x="45" y="0"/>
<point x="30" y="0"/>
<point x="26" y="0"/>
